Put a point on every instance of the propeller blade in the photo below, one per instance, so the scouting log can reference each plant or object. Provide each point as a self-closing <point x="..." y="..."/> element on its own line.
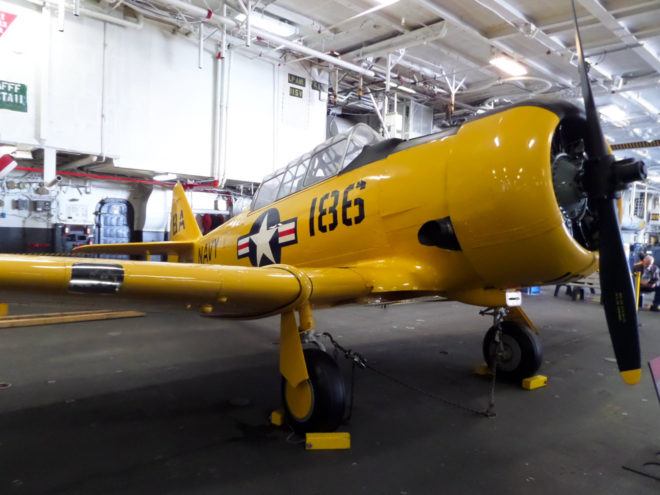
<point x="595" y="143"/>
<point x="618" y="294"/>
<point x="603" y="176"/>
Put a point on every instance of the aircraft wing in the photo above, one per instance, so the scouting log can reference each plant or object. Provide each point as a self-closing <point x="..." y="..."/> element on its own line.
<point x="233" y="291"/>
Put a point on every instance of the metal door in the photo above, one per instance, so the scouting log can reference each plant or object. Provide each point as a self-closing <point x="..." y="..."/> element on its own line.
<point x="114" y="223"/>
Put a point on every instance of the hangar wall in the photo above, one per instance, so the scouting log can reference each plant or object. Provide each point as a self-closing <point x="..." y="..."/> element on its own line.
<point x="137" y="95"/>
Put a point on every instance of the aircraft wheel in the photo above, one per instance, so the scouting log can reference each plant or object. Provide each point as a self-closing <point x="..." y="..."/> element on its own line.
<point x="522" y="354"/>
<point x="317" y="404"/>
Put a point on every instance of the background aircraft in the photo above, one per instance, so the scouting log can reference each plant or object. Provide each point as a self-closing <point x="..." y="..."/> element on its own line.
<point x="519" y="197"/>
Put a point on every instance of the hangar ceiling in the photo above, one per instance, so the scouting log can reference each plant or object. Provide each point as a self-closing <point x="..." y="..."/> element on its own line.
<point x="439" y="50"/>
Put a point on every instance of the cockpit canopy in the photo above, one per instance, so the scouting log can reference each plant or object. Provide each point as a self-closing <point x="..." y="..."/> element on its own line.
<point x="324" y="161"/>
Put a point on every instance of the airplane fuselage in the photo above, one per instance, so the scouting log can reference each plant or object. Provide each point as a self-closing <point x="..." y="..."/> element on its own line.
<point x="491" y="178"/>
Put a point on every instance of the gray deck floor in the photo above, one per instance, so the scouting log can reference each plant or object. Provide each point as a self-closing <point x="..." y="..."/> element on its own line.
<point x="177" y="403"/>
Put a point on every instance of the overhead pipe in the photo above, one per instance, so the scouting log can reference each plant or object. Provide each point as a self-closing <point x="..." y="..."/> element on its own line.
<point x="407" y="40"/>
<point x="217" y="109"/>
<point x="388" y="84"/>
<point x="207" y="15"/>
<point x="223" y="119"/>
<point x="359" y="14"/>
<point x="248" y="17"/>
<point x="44" y="75"/>
<point x="60" y="15"/>
<point x="50" y="160"/>
<point x="223" y="37"/>
<point x="92" y="14"/>
<point x="380" y="116"/>
<point x="200" y="47"/>
<point x="115" y="178"/>
<point x="223" y="108"/>
<point x="513" y="79"/>
<point x="81" y="162"/>
<point x="444" y="99"/>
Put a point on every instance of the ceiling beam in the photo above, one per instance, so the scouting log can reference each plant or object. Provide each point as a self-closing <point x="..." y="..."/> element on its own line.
<point x="620" y="31"/>
<point x="468" y="28"/>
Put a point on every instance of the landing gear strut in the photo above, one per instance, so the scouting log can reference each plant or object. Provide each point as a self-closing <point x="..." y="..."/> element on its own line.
<point x="514" y="347"/>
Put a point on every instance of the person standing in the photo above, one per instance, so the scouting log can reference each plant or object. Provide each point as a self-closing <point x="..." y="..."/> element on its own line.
<point x="650" y="282"/>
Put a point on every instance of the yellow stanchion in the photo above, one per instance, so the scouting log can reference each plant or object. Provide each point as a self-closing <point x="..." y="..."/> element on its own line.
<point x="638" y="284"/>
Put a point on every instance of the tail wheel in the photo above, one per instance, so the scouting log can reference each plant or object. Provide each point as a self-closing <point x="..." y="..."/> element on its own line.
<point x="521" y="351"/>
<point x="316" y="404"/>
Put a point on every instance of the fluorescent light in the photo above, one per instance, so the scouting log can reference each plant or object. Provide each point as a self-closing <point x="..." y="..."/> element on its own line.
<point x="508" y="65"/>
<point x="403" y="88"/>
<point x="385" y="3"/>
<point x="269" y="24"/>
<point x="165" y="177"/>
<point x="613" y="113"/>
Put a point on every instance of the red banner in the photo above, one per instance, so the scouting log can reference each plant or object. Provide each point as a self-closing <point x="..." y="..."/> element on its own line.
<point x="5" y="21"/>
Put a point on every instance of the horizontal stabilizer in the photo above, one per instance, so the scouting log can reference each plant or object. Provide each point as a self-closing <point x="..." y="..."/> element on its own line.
<point x="137" y="248"/>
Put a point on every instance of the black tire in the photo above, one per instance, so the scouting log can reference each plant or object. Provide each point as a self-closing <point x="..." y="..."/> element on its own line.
<point x="328" y="395"/>
<point x="522" y="351"/>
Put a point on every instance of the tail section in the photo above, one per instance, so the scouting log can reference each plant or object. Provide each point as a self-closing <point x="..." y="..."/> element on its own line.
<point x="183" y="226"/>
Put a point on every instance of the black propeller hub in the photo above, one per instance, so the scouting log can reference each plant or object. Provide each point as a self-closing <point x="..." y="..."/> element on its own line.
<point x="604" y="176"/>
<point x="626" y="171"/>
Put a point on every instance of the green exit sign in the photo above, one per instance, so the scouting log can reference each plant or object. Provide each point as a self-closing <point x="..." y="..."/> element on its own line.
<point x="13" y="96"/>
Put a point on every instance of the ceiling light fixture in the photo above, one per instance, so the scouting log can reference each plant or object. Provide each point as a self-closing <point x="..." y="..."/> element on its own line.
<point x="270" y="24"/>
<point x="403" y="88"/>
<point x="508" y="65"/>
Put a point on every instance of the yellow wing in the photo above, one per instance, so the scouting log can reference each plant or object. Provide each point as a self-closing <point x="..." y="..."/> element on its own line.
<point x="233" y="291"/>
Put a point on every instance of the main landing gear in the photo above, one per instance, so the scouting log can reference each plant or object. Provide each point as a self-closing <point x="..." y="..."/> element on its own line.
<point x="512" y="344"/>
<point x="320" y="405"/>
<point x="313" y="391"/>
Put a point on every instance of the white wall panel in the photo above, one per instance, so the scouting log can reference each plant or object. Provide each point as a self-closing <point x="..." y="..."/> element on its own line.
<point x="159" y="103"/>
<point x="250" y="118"/>
<point x="20" y="48"/>
<point x="267" y="127"/>
<point x="75" y="86"/>
<point x="302" y="119"/>
<point x="138" y="96"/>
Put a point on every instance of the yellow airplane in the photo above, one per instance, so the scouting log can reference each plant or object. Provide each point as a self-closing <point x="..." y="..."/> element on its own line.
<point x="516" y="198"/>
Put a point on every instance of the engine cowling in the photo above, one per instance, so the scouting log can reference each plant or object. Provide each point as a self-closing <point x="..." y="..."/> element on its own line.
<point x="503" y="203"/>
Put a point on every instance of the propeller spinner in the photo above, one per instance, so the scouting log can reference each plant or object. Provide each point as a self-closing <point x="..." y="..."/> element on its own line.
<point x="603" y="178"/>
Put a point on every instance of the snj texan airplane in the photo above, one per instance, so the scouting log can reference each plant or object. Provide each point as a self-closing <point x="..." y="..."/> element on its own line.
<point x="520" y="197"/>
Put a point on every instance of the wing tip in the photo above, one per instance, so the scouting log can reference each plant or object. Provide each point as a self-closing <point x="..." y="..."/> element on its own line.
<point x="632" y="377"/>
